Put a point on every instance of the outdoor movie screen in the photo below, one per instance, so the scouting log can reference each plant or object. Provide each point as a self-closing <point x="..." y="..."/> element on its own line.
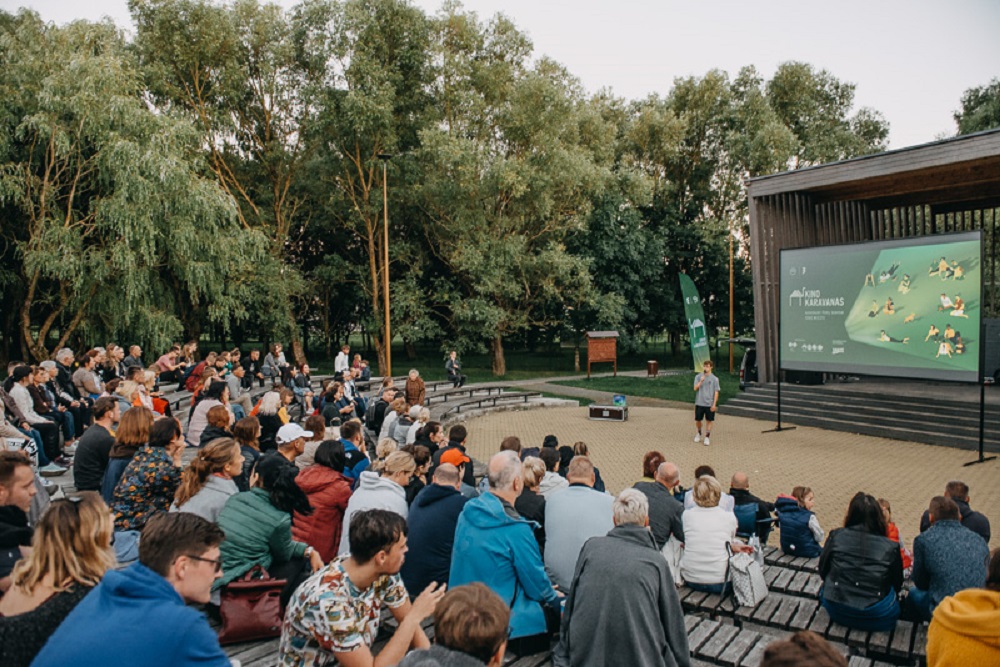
<point x="903" y="308"/>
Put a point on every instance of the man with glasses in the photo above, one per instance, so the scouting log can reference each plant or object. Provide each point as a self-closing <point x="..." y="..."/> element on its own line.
<point x="139" y="615"/>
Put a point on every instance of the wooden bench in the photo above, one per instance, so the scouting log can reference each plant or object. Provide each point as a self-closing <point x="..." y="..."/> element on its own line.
<point x="505" y="397"/>
<point x="447" y="394"/>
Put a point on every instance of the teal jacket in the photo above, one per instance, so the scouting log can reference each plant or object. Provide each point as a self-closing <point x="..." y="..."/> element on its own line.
<point x="501" y="552"/>
<point x="257" y="533"/>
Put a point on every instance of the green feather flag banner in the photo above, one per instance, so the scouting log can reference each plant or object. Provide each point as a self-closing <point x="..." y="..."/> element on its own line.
<point x="697" y="329"/>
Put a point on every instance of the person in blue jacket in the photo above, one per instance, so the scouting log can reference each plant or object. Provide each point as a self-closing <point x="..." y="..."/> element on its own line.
<point x="138" y="616"/>
<point x="431" y="530"/>
<point x="497" y="547"/>
<point x="801" y="534"/>
<point x="354" y="450"/>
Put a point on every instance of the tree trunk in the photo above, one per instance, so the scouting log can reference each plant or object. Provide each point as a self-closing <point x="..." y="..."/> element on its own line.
<point x="499" y="362"/>
<point x="576" y="357"/>
<point x="411" y="351"/>
<point x="298" y="352"/>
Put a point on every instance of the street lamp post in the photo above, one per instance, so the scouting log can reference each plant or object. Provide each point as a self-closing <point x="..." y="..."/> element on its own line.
<point x="385" y="157"/>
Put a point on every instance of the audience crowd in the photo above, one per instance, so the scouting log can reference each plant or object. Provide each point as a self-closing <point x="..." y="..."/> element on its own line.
<point x="372" y="506"/>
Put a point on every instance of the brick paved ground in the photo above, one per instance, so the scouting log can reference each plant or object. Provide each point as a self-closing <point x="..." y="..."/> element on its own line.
<point x="836" y="465"/>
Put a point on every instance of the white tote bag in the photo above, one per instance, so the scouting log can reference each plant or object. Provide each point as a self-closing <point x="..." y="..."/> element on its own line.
<point x="747" y="578"/>
<point x="672" y="551"/>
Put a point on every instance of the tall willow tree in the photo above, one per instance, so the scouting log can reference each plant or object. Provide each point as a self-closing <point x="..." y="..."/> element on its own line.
<point x="506" y="177"/>
<point x="104" y="213"/>
<point x="233" y="71"/>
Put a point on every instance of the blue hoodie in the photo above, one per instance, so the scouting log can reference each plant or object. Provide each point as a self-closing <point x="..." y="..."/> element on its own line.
<point x="355" y="464"/>
<point x="431" y="536"/>
<point x="133" y="618"/>
<point x="501" y="552"/>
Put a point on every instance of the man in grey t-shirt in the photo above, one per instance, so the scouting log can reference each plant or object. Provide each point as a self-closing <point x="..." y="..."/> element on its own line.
<point x="706" y="387"/>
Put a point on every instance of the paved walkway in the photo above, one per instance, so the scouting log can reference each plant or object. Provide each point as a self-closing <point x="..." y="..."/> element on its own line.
<point x="835" y="465"/>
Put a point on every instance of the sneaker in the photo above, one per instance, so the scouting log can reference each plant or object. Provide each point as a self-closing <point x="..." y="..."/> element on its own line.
<point x="697" y="437"/>
<point x="51" y="470"/>
<point x="69" y="450"/>
<point x="706" y="441"/>
<point x="64" y="461"/>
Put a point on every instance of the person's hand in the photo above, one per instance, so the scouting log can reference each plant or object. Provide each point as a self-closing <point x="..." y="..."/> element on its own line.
<point x="315" y="560"/>
<point x="713" y="408"/>
<point x="74" y="404"/>
<point x="62" y="408"/>
<point x="425" y="603"/>
<point x="252" y="482"/>
<point x="739" y="547"/>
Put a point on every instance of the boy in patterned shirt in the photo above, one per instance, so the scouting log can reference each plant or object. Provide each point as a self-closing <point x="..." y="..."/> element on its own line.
<point x="335" y="613"/>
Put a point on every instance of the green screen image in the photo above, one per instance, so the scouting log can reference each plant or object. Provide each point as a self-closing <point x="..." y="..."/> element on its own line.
<point x="906" y="308"/>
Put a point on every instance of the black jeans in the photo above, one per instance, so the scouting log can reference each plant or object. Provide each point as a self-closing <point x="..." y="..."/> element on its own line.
<point x="294" y="571"/>
<point x="50" y="439"/>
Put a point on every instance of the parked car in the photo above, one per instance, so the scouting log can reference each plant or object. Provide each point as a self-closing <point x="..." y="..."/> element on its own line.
<point x="748" y="365"/>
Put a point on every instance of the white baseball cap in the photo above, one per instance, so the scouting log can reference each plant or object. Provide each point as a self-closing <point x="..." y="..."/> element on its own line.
<point x="291" y="432"/>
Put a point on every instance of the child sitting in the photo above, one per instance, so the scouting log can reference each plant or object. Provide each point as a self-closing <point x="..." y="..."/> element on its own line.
<point x="801" y="534"/>
<point x="893" y="534"/>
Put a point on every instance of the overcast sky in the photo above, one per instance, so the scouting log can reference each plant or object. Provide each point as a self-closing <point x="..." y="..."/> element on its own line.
<point x="910" y="59"/>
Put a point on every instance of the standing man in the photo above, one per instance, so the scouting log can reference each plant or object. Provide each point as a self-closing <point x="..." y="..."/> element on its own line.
<point x="706" y="400"/>
<point x="454" y="368"/>
<point x="342" y="363"/>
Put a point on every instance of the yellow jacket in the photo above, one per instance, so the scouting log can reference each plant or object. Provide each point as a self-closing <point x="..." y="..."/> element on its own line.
<point x="965" y="630"/>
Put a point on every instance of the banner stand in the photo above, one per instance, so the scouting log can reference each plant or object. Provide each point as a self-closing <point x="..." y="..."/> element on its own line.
<point x="779" y="428"/>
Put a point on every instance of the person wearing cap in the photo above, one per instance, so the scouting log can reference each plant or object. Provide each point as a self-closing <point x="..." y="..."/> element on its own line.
<point x="258" y="527"/>
<point x="291" y="441"/>
<point x="384" y="492"/>
<point x="456" y="440"/>
<point x="431" y="530"/>
<point x="456" y="458"/>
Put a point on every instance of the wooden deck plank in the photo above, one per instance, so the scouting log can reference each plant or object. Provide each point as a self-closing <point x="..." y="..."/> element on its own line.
<point x="718" y="643"/>
<point x="738" y="648"/>
<point x="762" y="614"/>
<point x="813" y="585"/>
<point x="798" y="582"/>
<point x="690" y="622"/>
<point x="820" y="622"/>
<point x="783" y="579"/>
<point x="756" y="654"/>
<point x="701" y="634"/>
<point x="857" y="638"/>
<point x="803" y="615"/>
<point x="920" y="641"/>
<point x="902" y="639"/>
<point x="784" y="613"/>
<point x="878" y="642"/>
<point x="858" y="661"/>
<point x="771" y="573"/>
<point x="837" y="632"/>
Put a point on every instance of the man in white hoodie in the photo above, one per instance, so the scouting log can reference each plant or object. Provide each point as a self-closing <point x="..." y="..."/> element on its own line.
<point x="383" y="492"/>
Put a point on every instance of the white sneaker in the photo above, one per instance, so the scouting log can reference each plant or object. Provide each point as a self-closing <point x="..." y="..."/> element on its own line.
<point x="697" y="437"/>
<point x="69" y="450"/>
<point x="706" y="441"/>
<point x="51" y="470"/>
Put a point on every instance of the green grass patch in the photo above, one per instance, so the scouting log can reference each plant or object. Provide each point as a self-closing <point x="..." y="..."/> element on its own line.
<point x="668" y="387"/>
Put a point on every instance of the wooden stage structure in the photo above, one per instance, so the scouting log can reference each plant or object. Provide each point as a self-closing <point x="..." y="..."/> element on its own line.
<point x="946" y="186"/>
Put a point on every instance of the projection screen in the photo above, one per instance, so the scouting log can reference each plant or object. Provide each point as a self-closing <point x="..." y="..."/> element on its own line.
<point x="903" y="308"/>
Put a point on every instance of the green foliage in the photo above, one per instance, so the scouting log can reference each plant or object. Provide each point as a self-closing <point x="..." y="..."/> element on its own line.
<point x="115" y="230"/>
<point x="980" y="108"/>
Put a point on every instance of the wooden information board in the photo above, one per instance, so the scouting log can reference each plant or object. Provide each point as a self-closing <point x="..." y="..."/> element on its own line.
<point x="602" y="346"/>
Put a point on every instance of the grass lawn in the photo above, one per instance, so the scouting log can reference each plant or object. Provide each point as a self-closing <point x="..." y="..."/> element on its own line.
<point x="669" y="387"/>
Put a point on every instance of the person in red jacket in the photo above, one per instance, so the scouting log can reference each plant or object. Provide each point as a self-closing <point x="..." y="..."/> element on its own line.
<point x="893" y="534"/>
<point x="328" y="491"/>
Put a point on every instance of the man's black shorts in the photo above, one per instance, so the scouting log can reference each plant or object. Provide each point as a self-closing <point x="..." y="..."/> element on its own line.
<point x="703" y="412"/>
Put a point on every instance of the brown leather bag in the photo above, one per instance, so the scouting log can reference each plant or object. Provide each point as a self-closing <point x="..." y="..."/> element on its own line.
<point x="251" y="607"/>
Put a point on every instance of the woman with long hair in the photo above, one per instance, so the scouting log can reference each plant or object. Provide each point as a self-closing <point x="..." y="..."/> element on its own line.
<point x="219" y="419"/>
<point x="861" y="568"/>
<point x="258" y="527"/>
<point x="70" y="552"/>
<point x="431" y="436"/>
<point x="328" y="492"/>
<point x="132" y="433"/>
<point x="151" y="478"/>
<point x="531" y="504"/>
<point x="247" y="432"/>
<point x="207" y="482"/>
<point x="422" y="457"/>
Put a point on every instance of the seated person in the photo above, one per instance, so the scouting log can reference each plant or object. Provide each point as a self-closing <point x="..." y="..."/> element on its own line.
<point x="71" y="551"/>
<point x="947" y="558"/>
<point x="335" y="614"/>
<point x="328" y="491"/>
<point x="258" y="527"/>
<point x="801" y="534"/>
<point x="151" y="478"/>
<point x="17" y="489"/>
<point x="470" y="628"/>
<point x="707" y="529"/>
<point x="975" y="521"/>
<point x="739" y="489"/>
<point x="623" y="608"/>
<point x="141" y="611"/>
<point x="726" y="501"/>
<point x="861" y="569"/>
<point x="208" y="481"/>
<point x="964" y="628"/>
